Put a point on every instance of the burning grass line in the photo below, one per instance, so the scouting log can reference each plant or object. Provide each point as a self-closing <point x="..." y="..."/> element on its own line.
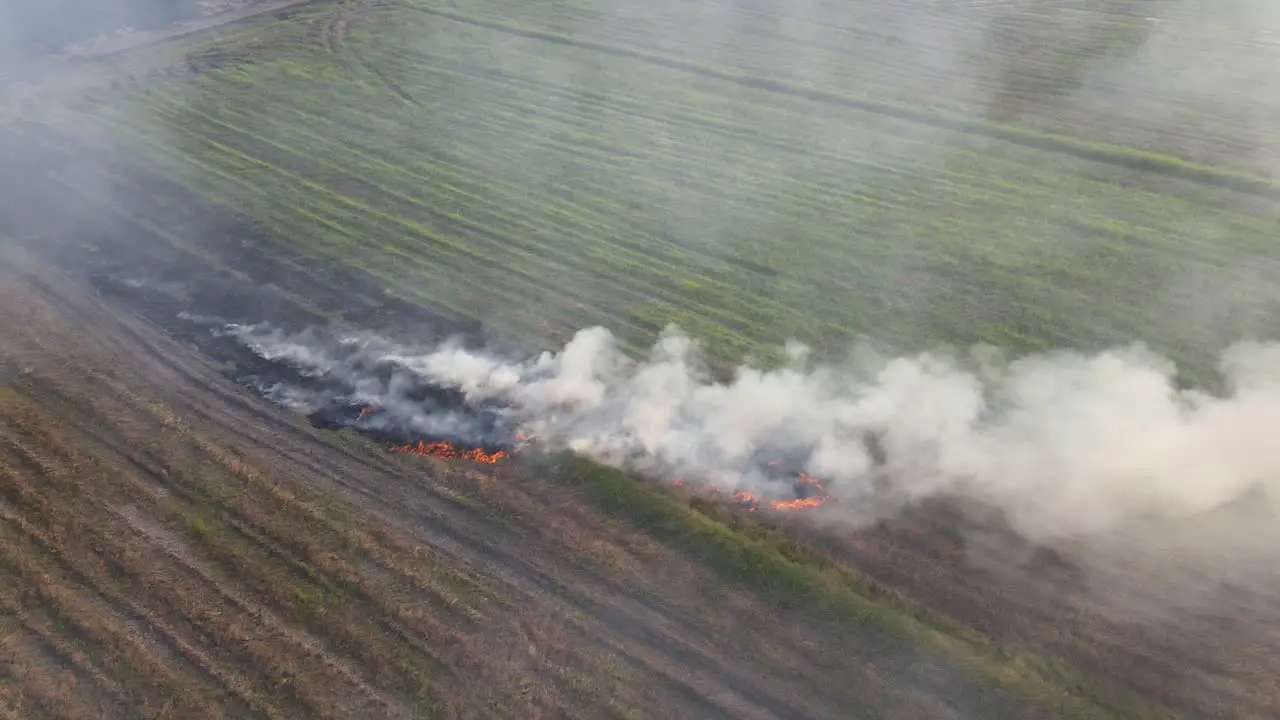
<point x="212" y="522"/>
<point x="940" y="231"/>
<point x="449" y="451"/>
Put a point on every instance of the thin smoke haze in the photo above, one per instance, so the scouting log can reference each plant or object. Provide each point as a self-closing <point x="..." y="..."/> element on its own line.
<point x="1068" y="445"/>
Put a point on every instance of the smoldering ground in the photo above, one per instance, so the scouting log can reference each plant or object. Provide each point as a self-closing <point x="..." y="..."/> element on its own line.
<point x="1068" y="446"/>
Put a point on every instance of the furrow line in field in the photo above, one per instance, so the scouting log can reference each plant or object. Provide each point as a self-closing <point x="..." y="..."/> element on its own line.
<point x="624" y="271"/>
<point x="544" y="256"/>
<point x="1098" y="152"/>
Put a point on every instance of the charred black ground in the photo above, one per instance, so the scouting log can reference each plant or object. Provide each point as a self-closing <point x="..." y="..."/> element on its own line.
<point x="254" y="282"/>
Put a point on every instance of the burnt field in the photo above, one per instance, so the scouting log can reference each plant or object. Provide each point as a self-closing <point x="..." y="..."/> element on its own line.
<point x="131" y="457"/>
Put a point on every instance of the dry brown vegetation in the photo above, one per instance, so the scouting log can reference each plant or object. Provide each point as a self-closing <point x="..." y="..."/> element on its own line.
<point x="1214" y="658"/>
<point x="155" y="565"/>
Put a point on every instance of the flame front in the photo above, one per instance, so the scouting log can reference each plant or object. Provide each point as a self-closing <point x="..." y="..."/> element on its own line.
<point x="804" y="478"/>
<point x="799" y="503"/>
<point x="809" y="494"/>
<point x="449" y="451"/>
<point x="808" y="490"/>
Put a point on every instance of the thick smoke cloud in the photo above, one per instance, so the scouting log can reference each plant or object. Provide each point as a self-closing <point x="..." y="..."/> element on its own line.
<point x="1067" y="445"/>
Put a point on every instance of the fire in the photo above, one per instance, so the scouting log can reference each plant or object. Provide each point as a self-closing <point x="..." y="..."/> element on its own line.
<point x="449" y="451"/>
<point x="368" y="410"/>
<point x="809" y="493"/>
<point x="748" y="500"/>
<point x="799" y="503"/>
<point x="803" y="478"/>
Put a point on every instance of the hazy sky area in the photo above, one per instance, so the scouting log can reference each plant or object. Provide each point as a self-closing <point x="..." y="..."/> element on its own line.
<point x="34" y="26"/>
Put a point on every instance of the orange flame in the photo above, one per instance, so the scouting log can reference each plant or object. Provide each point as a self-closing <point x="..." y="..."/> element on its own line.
<point x="449" y="451"/>
<point x="799" y="503"/>
<point x="809" y="494"/>
<point x="368" y="410"/>
<point x="747" y="499"/>
<point x="803" y="478"/>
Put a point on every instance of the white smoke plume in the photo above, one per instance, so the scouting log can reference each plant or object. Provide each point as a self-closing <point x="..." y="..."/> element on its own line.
<point x="1066" y="444"/>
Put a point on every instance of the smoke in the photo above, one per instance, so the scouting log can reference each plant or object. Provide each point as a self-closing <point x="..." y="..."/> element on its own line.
<point x="58" y="98"/>
<point x="1067" y="445"/>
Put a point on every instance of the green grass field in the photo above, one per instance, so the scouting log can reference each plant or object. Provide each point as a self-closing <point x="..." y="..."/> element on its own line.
<point x="489" y="162"/>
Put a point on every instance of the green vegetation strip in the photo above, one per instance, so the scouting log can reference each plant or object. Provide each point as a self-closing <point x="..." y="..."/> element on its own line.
<point x="772" y="562"/>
